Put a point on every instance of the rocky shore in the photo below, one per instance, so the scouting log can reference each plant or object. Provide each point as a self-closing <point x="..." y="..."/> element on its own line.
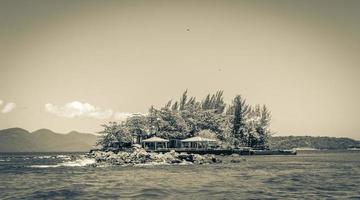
<point x="138" y="156"/>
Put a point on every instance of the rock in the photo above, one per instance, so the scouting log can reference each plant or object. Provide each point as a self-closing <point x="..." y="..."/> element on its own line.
<point x="237" y="160"/>
<point x="176" y="161"/>
<point x="186" y="157"/>
<point x="140" y="156"/>
<point x="198" y="159"/>
<point x="213" y="158"/>
<point x="174" y="153"/>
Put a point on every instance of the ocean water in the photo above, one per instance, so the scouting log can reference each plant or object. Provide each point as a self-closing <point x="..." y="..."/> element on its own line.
<point x="308" y="175"/>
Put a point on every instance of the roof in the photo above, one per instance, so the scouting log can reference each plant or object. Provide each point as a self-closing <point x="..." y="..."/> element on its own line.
<point x="155" y="139"/>
<point x="198" y="139"/>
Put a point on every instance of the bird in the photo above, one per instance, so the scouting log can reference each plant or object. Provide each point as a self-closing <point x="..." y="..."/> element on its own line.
<point x="187" y="29"/>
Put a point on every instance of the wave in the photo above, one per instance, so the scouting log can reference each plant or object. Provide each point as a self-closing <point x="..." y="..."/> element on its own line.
<point x="63" y="157"/>
<point x="162" y="163"/>
<point x="76" y="163"/>
<point x="42" y="157"/>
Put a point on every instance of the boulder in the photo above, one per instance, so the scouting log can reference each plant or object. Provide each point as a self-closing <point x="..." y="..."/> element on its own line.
<point x="237" y="159"/>
<point x="176" y="161"/>
<point x="186" y="157"/>
<point x="213" y="158"/>
<point x="198" y="159"/>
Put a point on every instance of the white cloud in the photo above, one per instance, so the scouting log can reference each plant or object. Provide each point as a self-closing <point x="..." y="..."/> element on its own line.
<point x="78" y="109"/>
<point x="8" y="107"/>
<point x="121" y="116"/>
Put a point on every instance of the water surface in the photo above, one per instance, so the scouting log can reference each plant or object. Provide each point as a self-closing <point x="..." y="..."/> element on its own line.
<point x="308" y="175"/>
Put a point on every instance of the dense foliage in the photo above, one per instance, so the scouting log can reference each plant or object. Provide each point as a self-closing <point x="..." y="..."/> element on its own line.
<point x="237" y="124"/>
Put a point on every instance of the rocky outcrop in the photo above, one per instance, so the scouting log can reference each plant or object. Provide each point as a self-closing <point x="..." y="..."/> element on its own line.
<point x="138" y="156"/>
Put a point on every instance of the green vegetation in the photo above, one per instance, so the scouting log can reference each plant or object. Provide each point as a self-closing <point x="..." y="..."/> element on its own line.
<point x="234" y="125"/>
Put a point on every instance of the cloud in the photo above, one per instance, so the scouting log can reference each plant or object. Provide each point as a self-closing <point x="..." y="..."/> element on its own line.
<point x="8" y="107"/>
<point x="79" y="109"/>
<point x="121" y="116"/>
<point x="1" y="102"/>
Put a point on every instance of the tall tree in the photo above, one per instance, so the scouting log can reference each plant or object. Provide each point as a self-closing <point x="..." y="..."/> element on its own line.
<point x="214" y="102"/>
<point x="241" y="111"/>
<point x="183" y="100"/>
<point x="151" y="119"/>
<point x="219" y="104"/>
<point x="263" y="127"/>
<point x="175" y="106"/>
<point x="168" y="104"/>
<point x="205" y="104"/>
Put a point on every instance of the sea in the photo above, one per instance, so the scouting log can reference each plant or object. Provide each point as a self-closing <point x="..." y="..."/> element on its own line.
<point x="308" y="175"/>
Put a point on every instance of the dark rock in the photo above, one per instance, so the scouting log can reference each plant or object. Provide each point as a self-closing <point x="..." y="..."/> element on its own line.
<point x="186" y="157"/>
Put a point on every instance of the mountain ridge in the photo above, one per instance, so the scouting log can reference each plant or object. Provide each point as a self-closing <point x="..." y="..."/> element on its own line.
<point x="44" y="140"/>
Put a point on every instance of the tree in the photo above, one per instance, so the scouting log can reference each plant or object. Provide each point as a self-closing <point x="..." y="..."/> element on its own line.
<point x="263" y="125"/>
<point x="114" y="135"/>
<point x="239" y="125"/>
<point x="151" y="120"/>
<point x="214" y="102"/>
<point x="170" y="124"/>
<point x="207" y="134"/>
<point x="241" y="111"/>
<point x="108" y="134"/>
<point x="205" y="104"/>
<point x="168" y="104"/>
<point x="175" y="106"/>
<point x="183" y="100"/>
<point x="137" y="126"/>
<point x="219" y="104"/>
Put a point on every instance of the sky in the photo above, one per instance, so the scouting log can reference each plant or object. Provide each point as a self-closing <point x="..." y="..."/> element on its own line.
<point x="73" y="65"/>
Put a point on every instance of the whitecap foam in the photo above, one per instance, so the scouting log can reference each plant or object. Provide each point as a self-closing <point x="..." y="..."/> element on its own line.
<point x="44" y="166"/>
<point x="76" y="163"/>
<point x="43" y="157"/>
<point x="162" y="163"/>
<point x="79" y="162"/>
<point x="64" y="157"/>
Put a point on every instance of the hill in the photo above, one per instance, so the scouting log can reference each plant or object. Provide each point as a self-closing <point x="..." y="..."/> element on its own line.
<point x="289" y="142"/>
<point x="44" y="140"/>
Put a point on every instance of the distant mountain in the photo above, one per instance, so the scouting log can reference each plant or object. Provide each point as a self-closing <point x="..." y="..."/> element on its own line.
<point x="44" y="140"/>
<point x="290" y="142"/>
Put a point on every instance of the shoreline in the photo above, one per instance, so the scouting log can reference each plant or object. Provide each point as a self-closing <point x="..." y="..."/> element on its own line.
<point x="139" y="156"/>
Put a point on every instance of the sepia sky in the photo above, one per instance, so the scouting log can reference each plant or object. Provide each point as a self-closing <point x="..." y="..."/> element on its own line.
<point x="72" y="65"/>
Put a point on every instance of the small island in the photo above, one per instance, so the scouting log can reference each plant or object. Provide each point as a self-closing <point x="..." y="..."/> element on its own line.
<point x="188" y="131"/>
